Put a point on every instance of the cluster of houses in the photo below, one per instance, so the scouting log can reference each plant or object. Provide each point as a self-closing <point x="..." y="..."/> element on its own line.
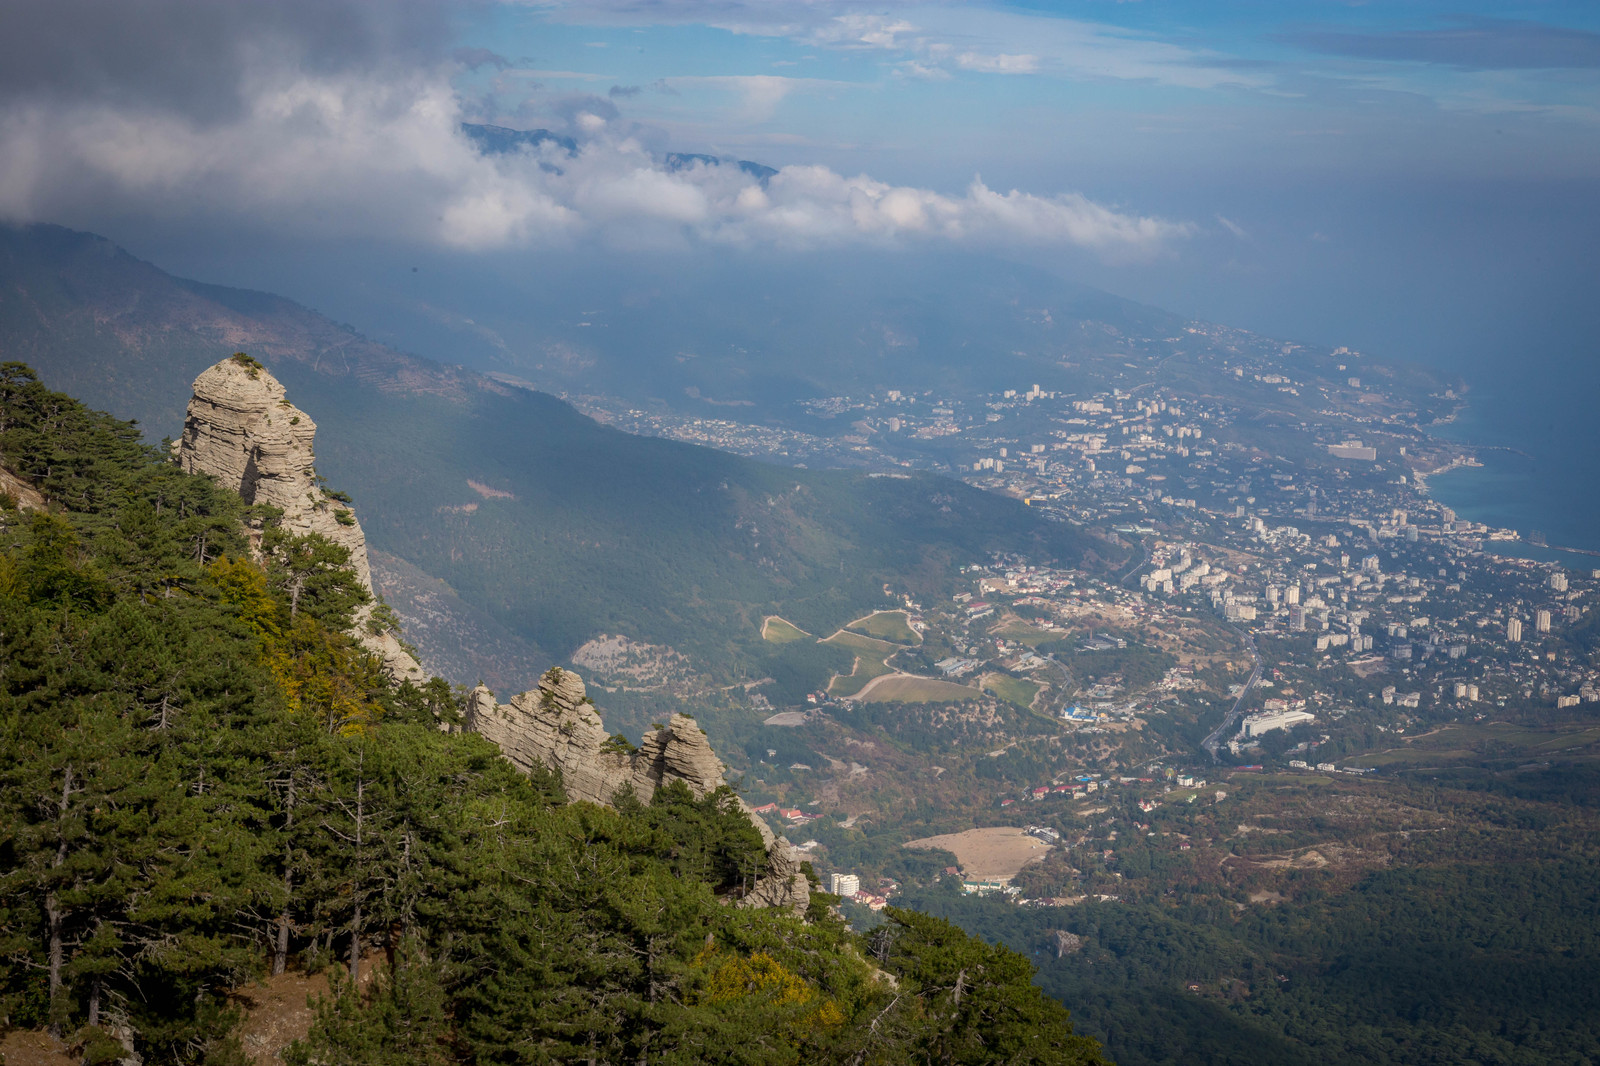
<point x="792" y="815"/>
<point x="1078" y="787"/>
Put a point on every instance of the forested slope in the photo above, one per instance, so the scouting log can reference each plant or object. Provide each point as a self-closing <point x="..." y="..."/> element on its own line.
<point x="203" y="779"/>
<point x="556" y="527"/>
<point x="1481" y="944"/>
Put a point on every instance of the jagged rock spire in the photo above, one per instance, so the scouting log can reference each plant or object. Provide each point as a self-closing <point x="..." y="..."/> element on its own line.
<point x="556" y="726"/>
<point x="242" y="430"/>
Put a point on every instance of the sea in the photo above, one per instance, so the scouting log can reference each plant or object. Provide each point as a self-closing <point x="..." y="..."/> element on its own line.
<point x="1536" y="429"/>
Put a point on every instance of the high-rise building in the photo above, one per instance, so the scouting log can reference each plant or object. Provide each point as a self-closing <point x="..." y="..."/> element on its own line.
<point x="1541" y="621"/>
<point x="1558" y="581"/>
<point x="1297" y="619"/>
<point x="845" y="884"/>
<point x="1514" y="630"/>
<point x="1291" y="595"/>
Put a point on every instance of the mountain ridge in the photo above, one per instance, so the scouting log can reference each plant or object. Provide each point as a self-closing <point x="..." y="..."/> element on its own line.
<point x="584" y="529"/>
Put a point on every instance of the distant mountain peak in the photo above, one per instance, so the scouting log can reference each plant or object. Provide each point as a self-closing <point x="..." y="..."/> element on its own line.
<point x="677" y="161"/>
<point x="504" y="140"/>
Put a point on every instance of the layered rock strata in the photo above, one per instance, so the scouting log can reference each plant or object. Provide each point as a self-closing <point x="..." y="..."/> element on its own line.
<point x="556" y="726"/>
<point x="242" y="430"/>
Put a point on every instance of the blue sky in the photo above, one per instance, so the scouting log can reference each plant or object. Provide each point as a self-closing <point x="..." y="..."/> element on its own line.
<point x="1416" y="176"/>
<point x="920" y="93"/>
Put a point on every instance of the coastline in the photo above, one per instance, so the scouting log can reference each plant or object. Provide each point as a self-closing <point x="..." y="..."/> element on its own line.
<point x="1490" y="483"/>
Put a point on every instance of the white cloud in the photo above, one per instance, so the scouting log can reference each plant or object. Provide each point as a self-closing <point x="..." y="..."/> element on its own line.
<point x="1233" y="227"/>
<point x="381" y="153"/>
<point x="998" y="64"/>
<point x="924" y="37"/>
<point x="864" y="31"/>
<point x="760" y="94"/>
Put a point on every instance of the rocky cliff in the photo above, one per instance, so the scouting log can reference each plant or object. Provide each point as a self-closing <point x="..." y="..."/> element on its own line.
<point x="556" y="726"/>
<point x="242" y="430"/>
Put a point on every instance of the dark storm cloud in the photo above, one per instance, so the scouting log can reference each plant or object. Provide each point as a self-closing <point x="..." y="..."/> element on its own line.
<point x="1479" y="44"/>
<point x="186" y="56"/>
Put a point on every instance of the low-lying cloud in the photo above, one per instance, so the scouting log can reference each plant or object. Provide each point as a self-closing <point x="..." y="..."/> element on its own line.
<point x="376" y="148"/>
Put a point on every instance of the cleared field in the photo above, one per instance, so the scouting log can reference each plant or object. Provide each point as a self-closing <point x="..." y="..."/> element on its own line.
<point x="1023" y="633"/>
<point x="1404" y="756"/>
<point x="1012" y="689"/>
<point x="1283" y="779"/>
<point x="866" y="669"/>
<point x="1567" y="740"/>
<point x="779" y="631"/>
<point x="881" y="649"/>
<point x="1470" y="742"/>
<point x="889" y="625"/>
<point x="905" y="688"/>
<point x="994" y="854"/>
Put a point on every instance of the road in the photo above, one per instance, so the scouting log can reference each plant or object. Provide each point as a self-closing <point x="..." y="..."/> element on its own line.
<point x="1144" y="548"/>
<point x="1214" y="741"/>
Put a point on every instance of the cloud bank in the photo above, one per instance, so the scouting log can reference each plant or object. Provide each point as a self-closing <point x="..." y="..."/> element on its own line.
<point x="335" y="124"/>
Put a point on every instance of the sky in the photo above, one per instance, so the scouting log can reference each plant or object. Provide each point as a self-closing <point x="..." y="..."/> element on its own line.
<point x="1413" y="178"/>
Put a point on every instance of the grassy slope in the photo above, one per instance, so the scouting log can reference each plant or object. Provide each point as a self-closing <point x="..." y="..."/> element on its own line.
<point x="887" y="625"/>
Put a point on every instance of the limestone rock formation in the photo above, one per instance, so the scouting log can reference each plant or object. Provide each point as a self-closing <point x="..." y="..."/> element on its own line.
<point x="27" y="497"/>
<point x="242" y="430"/>
<point x="556" y="726"/>
<point x="1065" y="943"/>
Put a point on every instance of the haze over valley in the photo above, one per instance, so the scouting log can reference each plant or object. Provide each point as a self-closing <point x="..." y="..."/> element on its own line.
<point x="788" y="533"/>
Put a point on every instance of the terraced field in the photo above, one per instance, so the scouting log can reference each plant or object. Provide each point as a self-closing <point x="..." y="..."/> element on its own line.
<point x="779" y="631"/>
<point x="1019" y="691"/>
<point x="905" y="688"/>
<point x="1471" y="742"/>
<point x="887" y="625"/>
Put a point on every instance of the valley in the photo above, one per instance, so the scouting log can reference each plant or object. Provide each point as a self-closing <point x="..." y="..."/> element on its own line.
<point x="984" y="663"/>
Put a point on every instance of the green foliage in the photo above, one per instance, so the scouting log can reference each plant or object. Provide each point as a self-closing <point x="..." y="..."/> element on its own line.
<point x="202" y="777"/>
<point x="981" y="998"/>
<point x="1468" y="961"/>
<point x="250" y="363"/>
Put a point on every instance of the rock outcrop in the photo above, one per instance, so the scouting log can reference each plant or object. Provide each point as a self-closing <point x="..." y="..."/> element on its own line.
<point x="556" y="726"/>
<point x="242" y="430"/>
<point x="26" y="497"/>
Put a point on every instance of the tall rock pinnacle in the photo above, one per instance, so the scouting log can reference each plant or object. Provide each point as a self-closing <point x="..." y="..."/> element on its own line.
<point x="242" y="430"/>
